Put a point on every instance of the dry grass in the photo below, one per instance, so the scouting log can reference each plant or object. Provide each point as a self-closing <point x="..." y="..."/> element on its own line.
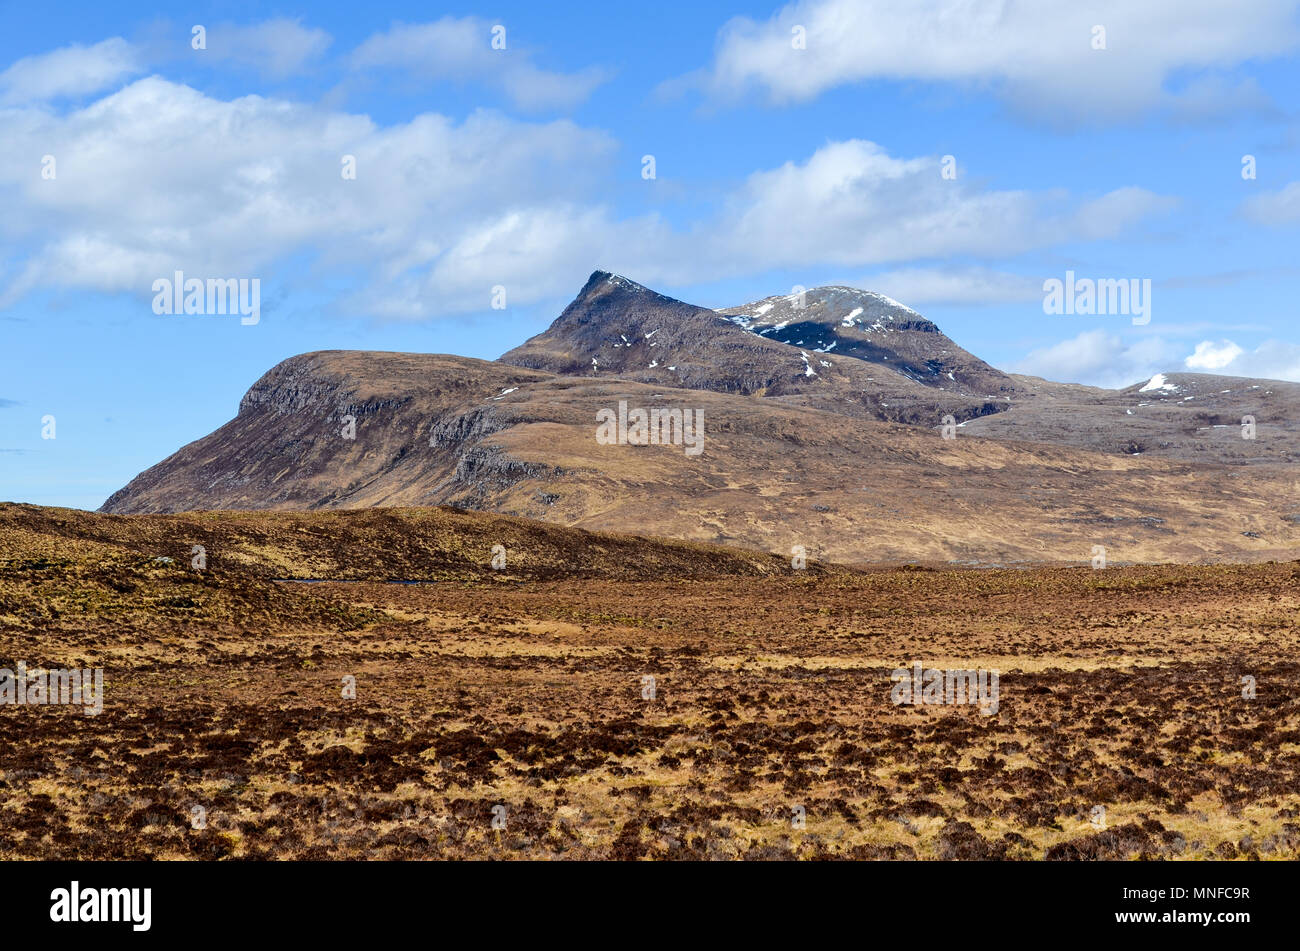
<point x="1119" y="689"/>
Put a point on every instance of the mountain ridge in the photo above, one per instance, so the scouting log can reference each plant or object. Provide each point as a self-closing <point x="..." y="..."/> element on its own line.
<point x="1034" y="471"/>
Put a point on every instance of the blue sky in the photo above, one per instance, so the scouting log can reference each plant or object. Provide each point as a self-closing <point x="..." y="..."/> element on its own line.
<point x="775" y="165"/>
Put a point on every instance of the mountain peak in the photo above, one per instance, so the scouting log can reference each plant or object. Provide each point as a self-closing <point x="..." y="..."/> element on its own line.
<point x="604" y="282"/>
<point x="834" y="306"/>
<point x="860" y="351"/>
<point x="611" y="317"/>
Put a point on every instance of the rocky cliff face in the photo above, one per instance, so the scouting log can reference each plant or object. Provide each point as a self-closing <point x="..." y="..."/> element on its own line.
<point x="292" y="446"/>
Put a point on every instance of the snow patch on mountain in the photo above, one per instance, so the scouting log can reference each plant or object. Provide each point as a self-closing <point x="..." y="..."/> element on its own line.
<point x="1158" y="383"/>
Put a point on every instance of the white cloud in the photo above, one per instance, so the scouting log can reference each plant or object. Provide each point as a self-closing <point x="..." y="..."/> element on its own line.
<point x="1212" y="356"/>
<point x="460" y="48"/>
<point x="1117" y="211"/>
<point x="1274" y="208"/>
<point x="1213" y="97"/>
<point x="954" y="286"/>
<point x="1272" y="360"/>
<point x="853" y="204"/>
<point x="1038" y="55"/>
<point x="1100" y="358"/>
<point x="276" y="48"/>
<point x="158" y="177"/>
<point x="535" y="253"/>
<point x="68" y="72"/>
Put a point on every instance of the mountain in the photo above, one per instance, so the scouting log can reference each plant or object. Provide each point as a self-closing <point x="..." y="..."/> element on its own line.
<point x="907" y="372"/>
<point x="795" y="452"/>
<point x="847" y="322"/>
<point x="1193" y="417"/>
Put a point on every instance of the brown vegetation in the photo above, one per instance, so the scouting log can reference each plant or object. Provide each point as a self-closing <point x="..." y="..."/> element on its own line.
<point x="523" y="688"/>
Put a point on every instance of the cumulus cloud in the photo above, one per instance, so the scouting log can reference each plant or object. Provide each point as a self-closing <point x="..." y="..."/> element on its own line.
<point x="1040" y="56"/>
<point x="1211" y="356"/>
<point x="159" y="176"/>
<point x="536" y="252"/>
<point x="1274" y="208"/>
<point x="851" y="203"/>
<point x="1272" y="360"/>
<point x="460" y="48"/>
<point x="1100" y="358"/>
<point x="69" y="72"/>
